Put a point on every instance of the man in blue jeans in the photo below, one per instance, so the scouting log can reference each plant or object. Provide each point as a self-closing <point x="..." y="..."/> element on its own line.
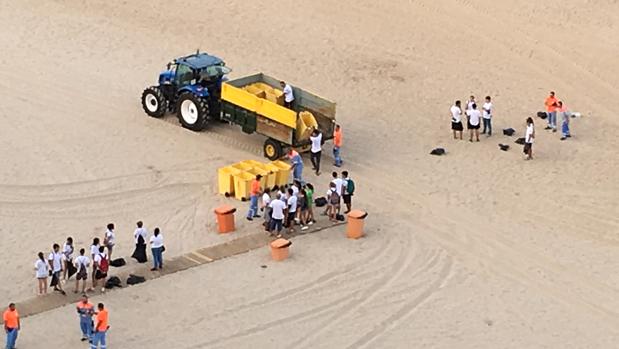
<point x="253" y="198"/>
<point x="12" y="325"/>
<point x="85" y="310"/>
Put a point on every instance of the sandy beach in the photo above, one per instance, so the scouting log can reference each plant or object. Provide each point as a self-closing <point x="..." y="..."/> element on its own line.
<point x="474" y="249"/>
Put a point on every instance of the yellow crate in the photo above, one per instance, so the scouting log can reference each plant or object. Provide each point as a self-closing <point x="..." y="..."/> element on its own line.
<point x="271" y="178"/>
<point x="226" y="179"/>
<point x="242" y="185"/>
<point x="284" y="172"/>
<point x="259" y="171"/>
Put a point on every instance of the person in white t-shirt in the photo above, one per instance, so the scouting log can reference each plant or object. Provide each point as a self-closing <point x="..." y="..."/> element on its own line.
<point x="456" y="119"/>
<point x="42" y="273"/>
<point x="487" y="116"/>
<point x="94" y="251"/>
<point x="529" y="138"/>
<point x="278" y="207"/>
<point x="67" y="250"/>
<point x="156" y="247"/>
<point x="288" y="94"/>
<point x="469" y="104"/>
<point x="264" y="207"/>
<point x="56" y="261"/>
<point x="339" y="183"/>
<point x="110" y="240"/>
<point x="101" y="273"/>
<point x="292" y="210"/>
<point x="474" y="117"/>
<point x="140" y="236"/>
<point x="316" y="150"/>
<point x="81" y="263"/>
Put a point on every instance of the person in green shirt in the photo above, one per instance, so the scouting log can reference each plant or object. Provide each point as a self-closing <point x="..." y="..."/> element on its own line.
<point x="309" y="196"/>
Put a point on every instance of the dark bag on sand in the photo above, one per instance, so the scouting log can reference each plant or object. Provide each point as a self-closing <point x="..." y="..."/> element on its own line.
<point x="504" y="147"/>
<point x="542" y="115"/>
<point x="437" y="151"/>
<point x="339" y="217"/>
<point x="520" y="140"/>
<point x="71" y="269"/>
<point x="118" y="262"/>
<point x="135" y="279"/>
<point x="112" y="282"/>
<point x="509" y="131"/>
<point x="320" y="202"/>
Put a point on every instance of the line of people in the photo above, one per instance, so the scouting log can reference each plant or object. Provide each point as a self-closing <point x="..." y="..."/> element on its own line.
<point x="60" y="265"/>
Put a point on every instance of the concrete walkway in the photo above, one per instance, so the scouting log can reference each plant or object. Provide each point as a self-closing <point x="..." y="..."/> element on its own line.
<point x="192" y="259"/>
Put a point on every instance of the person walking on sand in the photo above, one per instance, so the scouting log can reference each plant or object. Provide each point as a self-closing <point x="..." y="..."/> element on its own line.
<point x="529" y="138"/>
<point x="565" y="120"/>
<point x="288" y="94"/>
<point x="254" y="193"/>
<point x="337" y="146"/>
<point x="348" y="190"/>
<point x="140" y="235"/>
<point x="55" y="260"/>
<point x="42" y="273"/>
<point x="99" y="335"/>
<point x="156" y="247"/>
<point x="12" y="325"/>
<point x="102" y="264"/>
<point x="456" y="119"/>
<point x="474" y="117"/>
<point x="94" y="252"/>
<point x="85" y="310"/>
<point x="551" y="111"/>
<point x="109" y="240"/>
<point x="316" y="150"/>
<point x="82" y="262"/>
<point x="297" y="165"/>
<point x="487" y="116"/>
<point x="278" y="207"/>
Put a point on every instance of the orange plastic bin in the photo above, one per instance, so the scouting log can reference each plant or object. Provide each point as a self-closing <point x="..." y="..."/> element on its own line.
<point x="354" y="228"/>
<point x="225" y="218"/>
<point x="279" y="249"/>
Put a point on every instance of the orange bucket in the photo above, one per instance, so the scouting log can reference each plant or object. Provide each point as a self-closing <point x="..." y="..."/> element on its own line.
<point x="279" y="249"/>
<point x="225" y="218"/>
<point x="354" y="229"/>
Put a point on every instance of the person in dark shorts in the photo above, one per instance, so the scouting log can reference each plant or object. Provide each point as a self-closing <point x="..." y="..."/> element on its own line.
<point x="347" y="191"/>
<point x="302" y="208"/>
<point x="278" y="206"/>
<point x="456" y="119"/>
<point x="292" y="204"/>
<point x="474" y="119"/>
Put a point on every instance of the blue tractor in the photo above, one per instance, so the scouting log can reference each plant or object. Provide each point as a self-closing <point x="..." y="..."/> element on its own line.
<point x="191" y="88"/>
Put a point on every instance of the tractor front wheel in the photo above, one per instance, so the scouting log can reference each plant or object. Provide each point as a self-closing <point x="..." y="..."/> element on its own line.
<point x="273" y="149"/>
<point x="153" y="102"/>
<point x="192" y="111"/>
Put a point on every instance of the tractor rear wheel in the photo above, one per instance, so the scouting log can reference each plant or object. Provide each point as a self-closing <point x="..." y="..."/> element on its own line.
<point x="273" y="149"/>
<point x="153" y="102"/>
<point x="192" y="111"/>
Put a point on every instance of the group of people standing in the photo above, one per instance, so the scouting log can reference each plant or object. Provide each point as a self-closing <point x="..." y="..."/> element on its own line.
<point x="474" y="118"/>
<point x="316" y="139"/>
<point x="61" y="265"/>
<point x="95" y="332"/>
<point x="554" y="108"/>
<point x="294" y="205"/>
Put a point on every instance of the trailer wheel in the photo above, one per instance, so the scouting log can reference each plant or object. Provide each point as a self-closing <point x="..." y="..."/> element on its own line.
<point x="192" y="111"/>
<point x="153" y="102"/>
<point x="272" y="149"/>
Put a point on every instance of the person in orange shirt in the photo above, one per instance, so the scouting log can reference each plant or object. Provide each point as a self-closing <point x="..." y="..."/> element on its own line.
<point x="337" y="145"/>
<point x="551" y="111"/>
<point x="85" y="309"/>
<point x="12" y="325"/>
<point x="254" y="193"/>
<point x="101" y="327"/>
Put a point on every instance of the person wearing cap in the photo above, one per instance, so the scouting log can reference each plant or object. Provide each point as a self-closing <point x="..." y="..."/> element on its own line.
<point x="12" y="325"/>
<point x="85" y="310"/>
<point x="288" y="94"/>
<point x="254" y="193"/>
<point x="101" y="327"/>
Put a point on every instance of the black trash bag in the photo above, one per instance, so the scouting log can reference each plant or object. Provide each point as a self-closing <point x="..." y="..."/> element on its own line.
<point x="509" y="131"/>
<point x="504" y="147"/>
<point x="438" y="151"/>
<point x="340" y="217"/>
<point x="113" y="281"/>
<point x="320" y="202"/>
<point x="135" y="279"/>
<point x="139" y="254"/>
<point x="118" y="262"/>
<point x="520" y="140"/>
<point x="542" y="115"/>
<point x="71" y="269"/>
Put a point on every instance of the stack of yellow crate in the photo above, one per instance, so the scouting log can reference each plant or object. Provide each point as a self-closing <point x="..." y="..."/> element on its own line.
<point x="235" y="180"/>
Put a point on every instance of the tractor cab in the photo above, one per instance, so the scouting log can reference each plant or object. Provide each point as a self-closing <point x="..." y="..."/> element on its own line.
<point x="195" y="80"/>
